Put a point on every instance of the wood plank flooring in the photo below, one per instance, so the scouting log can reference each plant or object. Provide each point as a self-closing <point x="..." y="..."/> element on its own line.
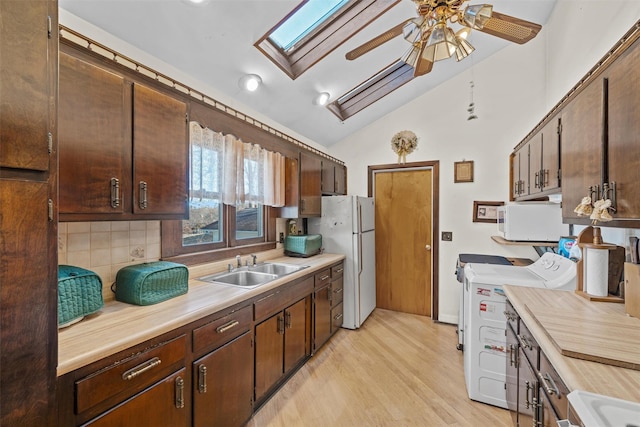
<point x="397" y="370"/>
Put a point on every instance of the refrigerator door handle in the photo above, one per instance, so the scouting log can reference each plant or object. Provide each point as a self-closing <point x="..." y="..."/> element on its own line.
<point x="360" y="239"/>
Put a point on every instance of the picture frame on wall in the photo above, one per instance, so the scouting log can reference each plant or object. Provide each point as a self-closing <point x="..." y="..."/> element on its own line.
<point x="486" y="211"/>
<point x="463" y="171"/>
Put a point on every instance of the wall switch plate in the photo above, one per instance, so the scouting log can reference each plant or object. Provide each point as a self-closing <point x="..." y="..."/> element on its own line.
<point x="447" y="236"/>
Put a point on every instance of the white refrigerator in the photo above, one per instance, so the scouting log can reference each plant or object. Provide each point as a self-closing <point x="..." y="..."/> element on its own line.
<point x="347" y="227"/>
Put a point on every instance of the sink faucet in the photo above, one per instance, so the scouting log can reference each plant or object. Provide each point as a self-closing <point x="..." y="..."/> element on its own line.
<point x="255" y="258"/>
<point x="238" y="261"/>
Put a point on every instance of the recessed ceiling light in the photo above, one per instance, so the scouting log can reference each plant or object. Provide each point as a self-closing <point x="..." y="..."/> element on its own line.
<point x="196" y="2"/>
<point x="250" y="82"/>
<point x="322" y="99"/>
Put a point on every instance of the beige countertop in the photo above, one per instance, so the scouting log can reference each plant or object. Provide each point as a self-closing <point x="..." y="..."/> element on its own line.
<point x="118" y="326"/>
<point x="577" y="374"/>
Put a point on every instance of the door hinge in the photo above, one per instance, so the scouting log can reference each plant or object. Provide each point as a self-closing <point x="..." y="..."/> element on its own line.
<point x="186" y="117"/>
<point x="49" y="27"/>
<point x="559" y="128"/>
<point x="50" y="209"/>
<point x="50" y="142"/>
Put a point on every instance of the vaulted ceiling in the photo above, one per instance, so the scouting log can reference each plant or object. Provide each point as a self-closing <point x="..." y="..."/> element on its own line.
<point x="214" y="44"/>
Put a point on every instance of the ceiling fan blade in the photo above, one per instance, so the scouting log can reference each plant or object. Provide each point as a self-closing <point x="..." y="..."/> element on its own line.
<point x="510" y="28"/>
<point x="376" y="41"/>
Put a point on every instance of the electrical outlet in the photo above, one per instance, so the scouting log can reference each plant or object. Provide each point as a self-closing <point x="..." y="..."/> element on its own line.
<point x="447" y="236"/>
<point x="281" y="237"/>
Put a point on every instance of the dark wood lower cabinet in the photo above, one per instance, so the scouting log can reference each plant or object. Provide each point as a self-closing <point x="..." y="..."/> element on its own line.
<point x="223" y="385"/>
<point x="322" y="316"/>
<point x="166" y="403"/>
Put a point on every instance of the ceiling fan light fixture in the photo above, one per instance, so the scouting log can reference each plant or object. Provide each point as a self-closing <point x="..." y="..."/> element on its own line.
<point x="464" y="49"/>
<point x="250" y="82"/>
<point x="476" y="16"/>
<point x="412" y="31"/>
<point x="441" y="43"/>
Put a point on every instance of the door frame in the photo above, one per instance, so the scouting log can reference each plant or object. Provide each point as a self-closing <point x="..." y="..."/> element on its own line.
<point x="434" y="165"/>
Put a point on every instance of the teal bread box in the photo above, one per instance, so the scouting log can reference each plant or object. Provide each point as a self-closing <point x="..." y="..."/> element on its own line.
<point x="151" y="283"/>
<point x="303" y="245"/>
<point x="79" y="294"/>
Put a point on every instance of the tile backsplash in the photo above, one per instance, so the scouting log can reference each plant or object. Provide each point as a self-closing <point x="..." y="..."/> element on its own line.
<point x="104" y="247"/>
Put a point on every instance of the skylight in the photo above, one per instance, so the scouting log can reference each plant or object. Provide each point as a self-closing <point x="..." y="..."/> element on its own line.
<point x="303" y="21"/>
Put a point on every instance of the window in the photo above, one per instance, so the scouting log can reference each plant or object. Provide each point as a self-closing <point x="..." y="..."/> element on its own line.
<point x="230" y="185"/>
<point x="315" y="28"/>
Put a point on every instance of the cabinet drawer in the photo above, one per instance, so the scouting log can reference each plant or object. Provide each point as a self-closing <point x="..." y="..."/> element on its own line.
<point x="529" y="345"/>
<point x="322" y="278"/>
<point x="336" y="317"/>
<point x="128" y="376"/>
<point x="553" y="387"/>
<point x="276" y="301"/>
<point x="222" y="330"/>
<point x="337" y="271"/>
<point x="337" y="292"/>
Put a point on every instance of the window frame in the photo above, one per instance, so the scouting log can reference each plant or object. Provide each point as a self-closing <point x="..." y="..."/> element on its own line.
<point x="324" y="39"/>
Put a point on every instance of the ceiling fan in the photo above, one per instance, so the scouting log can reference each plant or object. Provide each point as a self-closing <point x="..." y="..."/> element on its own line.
<point x="432" y="39"/>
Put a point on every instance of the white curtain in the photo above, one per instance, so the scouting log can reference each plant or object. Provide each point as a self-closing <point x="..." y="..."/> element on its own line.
<point x="237" y="173"/>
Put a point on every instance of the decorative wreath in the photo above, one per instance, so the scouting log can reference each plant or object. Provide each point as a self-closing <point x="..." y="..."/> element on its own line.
<point x="403" y="143"/>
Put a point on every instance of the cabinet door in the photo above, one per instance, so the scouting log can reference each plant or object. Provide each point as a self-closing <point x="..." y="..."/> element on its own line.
<point x="581" y="146"/>
<point x="160" y="153"/>
<point x="340" y="186"/>
<point x="164" y="404"/>
<point x="94" y="139"/>
<point x="223" y="385"/>
<point x="27" y="83"/>
<point x="269" y="350"/>
<point x="310" y="182"/>
<point x="511" y="384"/>
<point x="535" y="164"/>
<point x="322" y="316"/>
<point x="624" y="128"/>
<point x="28" y="311"/>
<point x="527" y="391"/>
<point x="328" y="177"/>
<point x="295" y="336"/>
<point x="550" y="176"/>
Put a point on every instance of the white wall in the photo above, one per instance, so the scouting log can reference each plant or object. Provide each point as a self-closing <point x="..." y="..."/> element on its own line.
<point x="513" y="90"/>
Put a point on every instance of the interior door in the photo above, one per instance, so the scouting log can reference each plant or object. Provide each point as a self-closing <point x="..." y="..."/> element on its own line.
<point x="403" y="218"/>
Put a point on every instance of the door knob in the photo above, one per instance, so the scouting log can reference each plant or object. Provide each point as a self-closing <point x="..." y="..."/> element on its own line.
<point x="428" y="247"/>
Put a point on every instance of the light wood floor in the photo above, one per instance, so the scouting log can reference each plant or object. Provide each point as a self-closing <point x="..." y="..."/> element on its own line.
<point x="397" y="370"/>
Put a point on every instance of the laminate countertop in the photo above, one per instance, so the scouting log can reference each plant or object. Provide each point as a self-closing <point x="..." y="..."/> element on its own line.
<point x="118" y="326"/>
<point x="577" y="374"/>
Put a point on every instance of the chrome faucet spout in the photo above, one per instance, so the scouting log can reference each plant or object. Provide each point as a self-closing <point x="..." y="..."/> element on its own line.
<point x="255" y="259"/>
<point x="239" y="261"/>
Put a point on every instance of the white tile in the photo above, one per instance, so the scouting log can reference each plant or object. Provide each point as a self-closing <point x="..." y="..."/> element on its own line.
<point x="79" y="259"/>
<point x="62" y="258"/>
<point x="119" y="225"/>
<point x="62" y="228"/>
<point x="100" y="240"/>
<point x="62" y="243"/>
<point x="78" y="242"/>
<point x="137" y="252"/>
<point x="100" y="257"/>
<point x="119" y="239"/>
<point x="153" y="252"/>
<point x="153" y="236"/>
<point x="78" y="227"/>
<point x="138" y="225"/>
<point x="100" y="226"/>
<point x="153" y="226"/>
<point x="137" y="237"/>
<point x="120" y="254"/>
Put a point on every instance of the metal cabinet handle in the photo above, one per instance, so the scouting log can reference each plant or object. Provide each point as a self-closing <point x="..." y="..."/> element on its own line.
<point x="511" y="352"/>
<point x="527" y="403"/>
<point x="510" y="315"/>
<point x="202" y="379"/>
<point x="224" y="328"/>
<point x="545" y="380"/>
<point x="323" y="278"/>
<point x="537" y="180"/>
<point x="281" y="325"/>
<point x="524" y="341"/>
<point x="339" y="270"/>
<point x="141" y="368"/>
<point x="179" y="393"/>
<point x="287" y="319"/>
<point x="339" y="290"/>
<point x="337" y="316"/>
<point x="143" y="195"/>
<point x="115" y="192"/>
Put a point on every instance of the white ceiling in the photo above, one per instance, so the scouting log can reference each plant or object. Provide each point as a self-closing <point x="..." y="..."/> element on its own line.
<point x="214" y="44"/>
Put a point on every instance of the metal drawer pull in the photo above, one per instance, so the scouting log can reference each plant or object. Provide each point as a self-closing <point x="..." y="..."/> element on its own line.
<point x="323" y="278"/>
<point x="115" y="192"/>
<point x="509" y="315"/>
<point x="511" y="355"/>
<point x="202" y="379"/>
<point x="287" y="319"/>
<point x="551" y="390"/>
<point x="339" y="290"/>
<point x="140" y="369"/>
<point x="179" y="393"/>
<point x="340" y="270"/>
<point x="224" y="328"/>
<point x="337" y="316"/>
<point x="143" y="195"/>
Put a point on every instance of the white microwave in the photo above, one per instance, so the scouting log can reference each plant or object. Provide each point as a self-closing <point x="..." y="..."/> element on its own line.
<point x="531" y="221"/>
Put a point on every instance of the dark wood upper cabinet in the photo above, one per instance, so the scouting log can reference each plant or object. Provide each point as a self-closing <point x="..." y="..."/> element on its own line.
<point x="123" y="146"/>
<point x="341" y="180"/>
<point x="328" y="180"/>
<point x="310" y="185"/>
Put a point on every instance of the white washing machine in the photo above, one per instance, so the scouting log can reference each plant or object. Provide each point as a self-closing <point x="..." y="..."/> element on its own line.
<point x="485" y="349"/>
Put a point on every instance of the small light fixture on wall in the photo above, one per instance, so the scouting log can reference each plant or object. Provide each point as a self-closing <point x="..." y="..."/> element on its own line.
<point x="322" y="99"/>
<point x="250" y="82"/>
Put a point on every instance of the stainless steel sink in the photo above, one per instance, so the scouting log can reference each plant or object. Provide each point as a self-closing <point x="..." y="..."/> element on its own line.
<point x="277" y="268"/>
<point x="253" y="276"/>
